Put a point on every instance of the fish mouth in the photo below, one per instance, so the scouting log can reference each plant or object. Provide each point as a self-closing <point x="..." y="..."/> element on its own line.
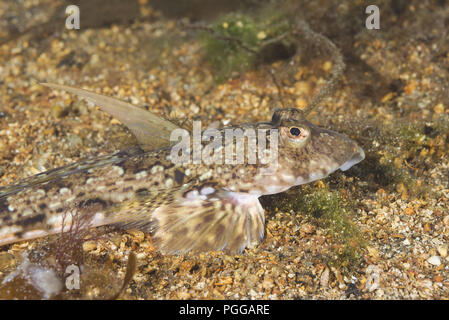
<point x="358" y="156"/>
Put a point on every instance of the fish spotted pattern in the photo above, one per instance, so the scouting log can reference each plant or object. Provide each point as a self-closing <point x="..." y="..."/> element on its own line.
<point x="185" y="206"/>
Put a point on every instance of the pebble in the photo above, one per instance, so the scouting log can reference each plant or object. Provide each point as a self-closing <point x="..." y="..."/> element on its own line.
<point x="439" y="108"/>
<point x="424" y="283"/>
<point x="89" y="246"/>
<point x="184" y="295"/>
<point x="74" y="141"/>
<point x="58" y="111"/>
<point x="434" y="260"/>
<point x="307" y="228"/>
<point x="446" y="220"/>
<point x="261" y="35"/>
<point x="324" y="280"/>
<point x="442" y="251"/>
<point x="267" y="283"/>
<point x="137" y="234"/>
<point x="380" y="293"/>
<point x="141" y="255"/>
<point x="327" y="66"/>
<point x="194" y="108"/>
<point x="301" y="103"/>
<point x="373" y="252"/>
<point x="6" y="260"/>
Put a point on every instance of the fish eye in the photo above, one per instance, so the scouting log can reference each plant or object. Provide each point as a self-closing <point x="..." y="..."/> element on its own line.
<point x="294" y="131"/>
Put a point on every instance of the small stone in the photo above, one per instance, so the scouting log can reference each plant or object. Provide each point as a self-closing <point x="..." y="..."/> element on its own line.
<point x="141" y="255"/>
<point x="251" y="280"/>
<point x="439" y="108"/>
<point x="94" y="59"/>
<point x="194" y="108"/>
<point x="424" y="152"/>
<point x="302" y="88"/>
<point x="442" y="251"/>
<point x="411" y="87"/>
<point x="387" y="97"/>
<point x="261" y="35"/>
<point x="6" y="260"/>
<point x="184" y="295"/>
<point x="74" y="141"/>
<point x="137" y="234"/>
<point x="327" y="66"/>
<point x="3" y="146"/>
<point x="379" y="293"/>
<point x="307" y="228"/>
<point x="397" y="162"/>
<point x="434" y="260"/>
<point x="324" y="280"/>
<point x="373" y="252"/>
<point x="267" y="283"/>
<point x="300" y="103"/>
<point x="446" y="220"/>
<point x="89" y="246"/>
<point x="58" y="111"/>
<point x="425" y="284"/>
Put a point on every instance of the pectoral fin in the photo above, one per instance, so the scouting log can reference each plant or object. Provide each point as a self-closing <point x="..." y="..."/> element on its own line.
<point x="203" y="219"/>
<point x="150" y="130"/>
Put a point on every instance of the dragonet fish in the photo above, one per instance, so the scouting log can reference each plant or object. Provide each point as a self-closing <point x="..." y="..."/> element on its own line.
<point x="185" y="206"/>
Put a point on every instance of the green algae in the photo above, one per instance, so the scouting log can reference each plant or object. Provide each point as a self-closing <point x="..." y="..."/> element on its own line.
<point x="237" y="42"/>
<point x="328" y="210"/>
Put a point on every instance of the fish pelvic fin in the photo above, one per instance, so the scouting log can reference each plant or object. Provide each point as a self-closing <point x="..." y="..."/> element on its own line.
<point x="202" y="219"/>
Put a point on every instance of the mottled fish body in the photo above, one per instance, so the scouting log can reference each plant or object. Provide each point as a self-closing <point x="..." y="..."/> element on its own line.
<point x="185" y="206"/>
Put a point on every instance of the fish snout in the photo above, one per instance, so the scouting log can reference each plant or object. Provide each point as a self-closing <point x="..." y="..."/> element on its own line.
<point x="357" y="156"/>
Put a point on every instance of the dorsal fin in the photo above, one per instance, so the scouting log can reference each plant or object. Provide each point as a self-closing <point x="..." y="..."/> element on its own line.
<point x="150" y="130"/>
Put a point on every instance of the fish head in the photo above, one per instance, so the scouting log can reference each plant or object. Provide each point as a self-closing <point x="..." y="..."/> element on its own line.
<point x="308" y="153"/>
